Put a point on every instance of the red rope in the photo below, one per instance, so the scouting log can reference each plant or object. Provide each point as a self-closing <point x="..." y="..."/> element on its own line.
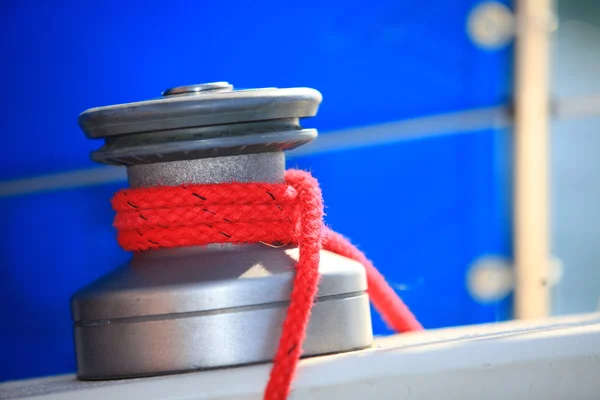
<point x="291" y="212"/>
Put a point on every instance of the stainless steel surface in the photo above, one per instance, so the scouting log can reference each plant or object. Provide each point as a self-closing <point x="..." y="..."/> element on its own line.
<point x="173" y="310"/>
<point x="204" y="279"/>
<point x="183" y="342"/>
<point x="263" y="167"/>
<point x="204" y="109"/>
<point x="197" y="308"/>
<point x="202" y="87"/>
<point x="204" y="142"/>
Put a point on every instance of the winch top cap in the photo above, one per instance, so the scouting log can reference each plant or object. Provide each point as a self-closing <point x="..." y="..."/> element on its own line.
<point x="201" y="105"/>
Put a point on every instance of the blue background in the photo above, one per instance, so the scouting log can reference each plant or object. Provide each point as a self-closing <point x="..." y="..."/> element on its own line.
<point x="428" y="207"/>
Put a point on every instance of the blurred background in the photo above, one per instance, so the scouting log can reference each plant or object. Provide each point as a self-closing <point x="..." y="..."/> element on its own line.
<point x="432" y="109"/>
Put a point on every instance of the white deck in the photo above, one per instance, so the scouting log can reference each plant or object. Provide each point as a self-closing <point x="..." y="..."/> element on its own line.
<point x="557" y="358"/>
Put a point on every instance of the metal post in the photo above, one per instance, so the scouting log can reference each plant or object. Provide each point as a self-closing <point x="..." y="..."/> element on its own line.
<point x="194" y="308"/>
<point x="531" y="230"/>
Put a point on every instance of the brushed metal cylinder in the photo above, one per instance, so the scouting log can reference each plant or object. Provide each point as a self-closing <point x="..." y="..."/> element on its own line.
<point x="261" y="167"/>
<point x="145" y="346"/>
<point x="199" y="308"/>
<point x="183" y="309"/>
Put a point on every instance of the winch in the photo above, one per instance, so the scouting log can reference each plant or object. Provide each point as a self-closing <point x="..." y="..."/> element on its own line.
<point x="192" y="308"/>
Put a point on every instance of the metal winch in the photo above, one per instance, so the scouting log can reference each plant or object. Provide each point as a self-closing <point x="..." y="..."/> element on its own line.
<point x="190" y="308"/>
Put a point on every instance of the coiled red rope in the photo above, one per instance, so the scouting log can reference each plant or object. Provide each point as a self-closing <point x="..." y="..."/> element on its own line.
<point x="290" y="212"/>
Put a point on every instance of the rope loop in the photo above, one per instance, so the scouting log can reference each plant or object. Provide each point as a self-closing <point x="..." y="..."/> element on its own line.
<point x="272" y="214"/>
